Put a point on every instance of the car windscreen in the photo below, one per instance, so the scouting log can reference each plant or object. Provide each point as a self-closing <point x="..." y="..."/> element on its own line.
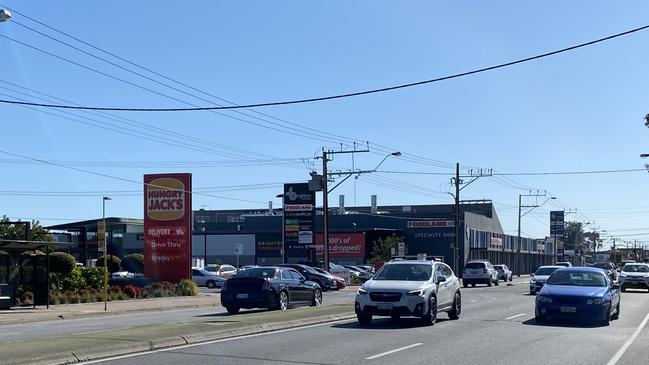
<point x="310" y="270"/>
<point x="498" y="267"/>
<point x="259" y="273"/>
<point x="635" y="268"/>
<point x="577" y="278"/>
<point x="475" y="265"/>
<point x="407" y="272"/>
<point x="545" y="271"/>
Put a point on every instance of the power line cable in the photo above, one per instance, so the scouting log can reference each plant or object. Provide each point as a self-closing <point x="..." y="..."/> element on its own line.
<point x="345" y="95"/>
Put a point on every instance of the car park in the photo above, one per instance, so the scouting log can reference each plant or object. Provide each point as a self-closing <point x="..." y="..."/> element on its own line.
<point x="583" y="293"/>
<point x="325" y="280"/>
<point x="540" y="276"/>
<point x="634" y="276"/>
<point x="479" y="272"/>
<point x="203" y="277"/>
<point x="269" y="287"/>
<point x="412" y="288"/>
<point x="504" y="273"/>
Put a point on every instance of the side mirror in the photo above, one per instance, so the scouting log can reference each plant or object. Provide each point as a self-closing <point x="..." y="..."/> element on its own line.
<point x="615" y="286"/>
<point x="440" y="279"/>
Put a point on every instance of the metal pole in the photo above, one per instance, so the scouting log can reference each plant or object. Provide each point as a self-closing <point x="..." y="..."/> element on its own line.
<point x="456" y="249"/>
<point x="47" y="276"/>
<point x="325" y="212"/>
<point x="103" y="215"/>
<point x="520" y="261"/>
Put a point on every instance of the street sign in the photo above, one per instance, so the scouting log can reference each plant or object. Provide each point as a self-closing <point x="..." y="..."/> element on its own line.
<point x="402" y="249"/>
<point x="238" y="247"/>
<point x="101" y="236"/>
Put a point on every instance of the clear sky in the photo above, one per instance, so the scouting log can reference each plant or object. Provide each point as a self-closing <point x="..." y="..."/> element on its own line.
<point x="581" y="110"/>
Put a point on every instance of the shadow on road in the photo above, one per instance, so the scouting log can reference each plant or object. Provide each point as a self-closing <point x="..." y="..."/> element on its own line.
<point x="387" y="324"/>
<point x="226" y="314"/>
<point x="566" y="323"/>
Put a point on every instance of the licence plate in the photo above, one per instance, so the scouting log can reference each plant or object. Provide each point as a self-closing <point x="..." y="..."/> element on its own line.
<point x="568" y="309"/>
<point x="384" y="306"/>
<point x="242" y="296"/>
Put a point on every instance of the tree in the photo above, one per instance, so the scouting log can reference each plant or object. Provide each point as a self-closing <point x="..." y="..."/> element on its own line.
<point x="114" y="263"/>
<point x="133" y="263"/>
<point x="574" y="235"/>
<point x="17" y="231"/>
<point x="382" y="250"/>
<point x="594" y="242"/>
<point x="62" y="263"/>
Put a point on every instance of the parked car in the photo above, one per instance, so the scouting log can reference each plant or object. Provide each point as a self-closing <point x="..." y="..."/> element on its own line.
<point x="504" y="273"/>
<point x="579" y="293"/>
<point x="246" y="267"/>
<point x="564" y="264"/>
<point x="203" y="277"/>
<point x="368" y="268"/>
<point x="340" y="271"/>
<point x="356" y="271"/>
<point x="269" y="287"/>
<point x="123" y="274"/>
<point x="325" y="280"/>
<point x="540" y="276"/>
<point x="609" y="268"/>
<point x="635" y="276"/>
<point x="226" y="271"/>
<point x="479" y="272"/>
<point x="411" y="288"/>
<point x="340" y="282"/>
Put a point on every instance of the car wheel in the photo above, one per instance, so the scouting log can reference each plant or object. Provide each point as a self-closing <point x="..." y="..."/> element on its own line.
<point x="232" y="310"/>
<point x="539" y="318"/>
<point x="364" y="318"/>
<point x="473" y="285"/>
<point x="430" y="317"/>
<point x="457" y="307"/>
<point x="607" y="319"/>
<point x="497" y="282"/>
<point x="283" y="300"/>
<point x="617" y="312"/>
<point x="489" y="282"/>
<point x="210" y="284"/>
<point x="317" y="298"/>
<point x="511" y="277"/>
<point x="531" y="292"/>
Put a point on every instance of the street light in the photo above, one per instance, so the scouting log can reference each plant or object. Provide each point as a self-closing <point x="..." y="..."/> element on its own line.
<point x="4" y="15"/>
<point x="103" y="218"/>
<point x="393" y="154"/>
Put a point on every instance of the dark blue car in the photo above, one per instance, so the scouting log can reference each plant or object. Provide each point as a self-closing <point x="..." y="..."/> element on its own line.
<point x="580" y="293"/>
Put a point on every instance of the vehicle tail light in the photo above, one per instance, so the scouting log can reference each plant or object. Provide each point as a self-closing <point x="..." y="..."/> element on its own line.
<point x="266" y="285"/>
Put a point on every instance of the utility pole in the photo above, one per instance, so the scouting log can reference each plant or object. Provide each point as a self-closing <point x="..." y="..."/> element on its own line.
<point x="458" y="182"/>
<point x="536" y="195"/>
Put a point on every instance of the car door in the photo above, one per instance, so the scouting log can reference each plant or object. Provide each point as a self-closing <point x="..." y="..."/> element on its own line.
<point x="303" y="289"/>
<point x="443" y="296"/>
<point x="198" y="277"/>
<point x="291" y="285"/>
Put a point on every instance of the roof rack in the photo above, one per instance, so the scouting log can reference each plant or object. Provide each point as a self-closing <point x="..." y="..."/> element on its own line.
<point x="420" y="257"/>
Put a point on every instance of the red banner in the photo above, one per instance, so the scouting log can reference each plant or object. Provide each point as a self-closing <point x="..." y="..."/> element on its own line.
<point x="342" y="244"/>
<point x="167" y="226"/>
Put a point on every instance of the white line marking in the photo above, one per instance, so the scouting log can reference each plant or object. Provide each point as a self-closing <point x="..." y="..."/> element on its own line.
<point x="618" y="355"/>
<point x="212" y="342"/>
<point x="7" y="334"/>
<point x="512" y="317"/>
<point x="393" y="351"/>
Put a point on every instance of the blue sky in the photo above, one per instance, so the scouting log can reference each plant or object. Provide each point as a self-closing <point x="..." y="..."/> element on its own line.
<point x="581" y="110"/>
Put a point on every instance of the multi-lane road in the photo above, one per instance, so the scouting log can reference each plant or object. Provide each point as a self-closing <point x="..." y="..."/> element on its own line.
<point x="497" y="327"/>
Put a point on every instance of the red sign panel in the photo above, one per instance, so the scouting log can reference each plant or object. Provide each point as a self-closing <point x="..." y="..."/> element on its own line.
<point x="167" y="226"/>
<point x="342" y="244"/>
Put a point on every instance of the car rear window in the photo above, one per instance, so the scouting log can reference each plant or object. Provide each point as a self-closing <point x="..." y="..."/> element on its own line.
<point x="475" y="265"/>
<point x="259" y="273"/>
<point x="497" y="267"/>
<point x="545" y="271"/>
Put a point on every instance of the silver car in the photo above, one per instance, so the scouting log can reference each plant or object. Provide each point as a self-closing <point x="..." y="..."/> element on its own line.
<point x="540" y="276"/>
<point x="205" y="278"/>
<point x="411" y="288"/>
<point x="479" y="272"/>
<point x="634" y="276"/>
<point x="504" y="273"/>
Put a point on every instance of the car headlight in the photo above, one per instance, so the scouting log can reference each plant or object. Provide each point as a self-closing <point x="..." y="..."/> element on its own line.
<point x="417" y="292"/>
<point x="589" y="301"/>
<point x="361" y="291"/>
<point x="597" y="301"/>
<point x="544" y="299"/>
<point x="532" y="281"/>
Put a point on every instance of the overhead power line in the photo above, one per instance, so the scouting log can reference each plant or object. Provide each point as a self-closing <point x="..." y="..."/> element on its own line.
<point x="332" y="97"/>
<point x="521" y="173"/>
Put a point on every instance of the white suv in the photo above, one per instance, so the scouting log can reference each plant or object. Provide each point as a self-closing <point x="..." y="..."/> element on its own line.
<point x="479" y="272"/>
<point x="412" y="288"/>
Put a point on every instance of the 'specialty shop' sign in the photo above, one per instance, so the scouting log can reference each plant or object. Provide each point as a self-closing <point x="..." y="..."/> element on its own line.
<point x="167" y="226"/>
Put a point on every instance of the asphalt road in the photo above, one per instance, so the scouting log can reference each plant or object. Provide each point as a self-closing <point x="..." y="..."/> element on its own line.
<point x="101" y="323"/>
<point x="497" y="327"/>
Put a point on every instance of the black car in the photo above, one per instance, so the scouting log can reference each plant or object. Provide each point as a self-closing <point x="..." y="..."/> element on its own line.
<point x="269" y="287"/>
<point x="326" y="282"/>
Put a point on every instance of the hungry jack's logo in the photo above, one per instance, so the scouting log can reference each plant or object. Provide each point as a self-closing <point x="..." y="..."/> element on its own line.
<point x="165" y="199"/>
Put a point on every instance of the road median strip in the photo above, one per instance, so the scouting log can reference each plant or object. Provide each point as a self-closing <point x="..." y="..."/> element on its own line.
<point x="79" y="348"/>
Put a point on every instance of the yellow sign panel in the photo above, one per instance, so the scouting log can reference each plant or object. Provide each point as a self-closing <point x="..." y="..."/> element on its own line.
<point x="101" y="236"/>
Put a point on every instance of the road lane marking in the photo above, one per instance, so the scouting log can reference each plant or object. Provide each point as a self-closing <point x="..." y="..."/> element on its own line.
<point x="518" y="315"/>
<point x="393" y="351"/>
<point x="8" y="334"/>
<point x="119" y="357"/>
<point x="618" y="355"/>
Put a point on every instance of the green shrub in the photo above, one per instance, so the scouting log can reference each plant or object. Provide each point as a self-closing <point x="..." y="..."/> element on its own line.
<point x="62" y="263"/>
<point x="123" y="296"/>
<point x="133" y="263"/>
<point x="356" y="281"/>
<point x="88" y="296"/>
<point x="187" y="287"/>
<point x="72" y="297"/>
<point x="73" y="281"/>
<point x="114" y="263"/>
<point x="94" y="277"/>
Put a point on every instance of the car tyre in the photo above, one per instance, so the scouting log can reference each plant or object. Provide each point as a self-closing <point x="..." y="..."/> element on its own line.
<point x="210" y="284"/>
<point x="489" y="282"/>
<point x="364" y="318"/>
<point x="511" y="277"/>
<point x="317" y="298"/>
<point x="282" y="300"/>
<point x="539" y="319"/>
<point x="617" y="312"/>
<point x="457" y="307"/>
<point x="430" y="317"/>
<point x="496" y="282"/>
<point x="233" y="310"/>
<point x="607" y="320"/>
<point x="473" y="285"/>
